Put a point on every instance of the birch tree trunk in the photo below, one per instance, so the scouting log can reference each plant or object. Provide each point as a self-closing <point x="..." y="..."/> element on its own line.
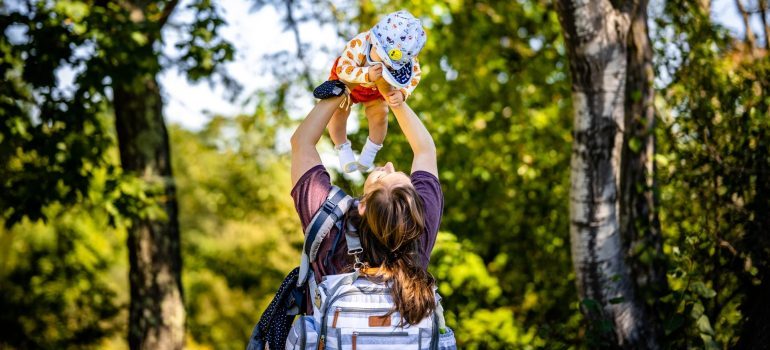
<point x="595" y="33"/>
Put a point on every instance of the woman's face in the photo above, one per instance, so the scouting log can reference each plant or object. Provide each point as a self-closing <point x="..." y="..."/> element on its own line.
<point x="384" y="176"/>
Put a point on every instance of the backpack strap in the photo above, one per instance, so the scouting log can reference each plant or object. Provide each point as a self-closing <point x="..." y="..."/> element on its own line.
<point x="333" y="210"/>
<point x="351" y="238"/>
<point x="354" y="245"/>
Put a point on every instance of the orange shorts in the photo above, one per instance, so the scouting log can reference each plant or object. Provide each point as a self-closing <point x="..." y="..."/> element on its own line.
<point x="359" y="93"/>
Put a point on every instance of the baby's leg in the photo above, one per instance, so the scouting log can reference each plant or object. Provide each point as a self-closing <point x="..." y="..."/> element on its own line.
<point x="338" y="133"/>
<point x="338" y="126"/>
<point x="377" y="114"/>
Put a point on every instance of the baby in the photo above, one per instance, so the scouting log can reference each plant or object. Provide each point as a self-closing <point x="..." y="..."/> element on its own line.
<point x="381" y="68"/>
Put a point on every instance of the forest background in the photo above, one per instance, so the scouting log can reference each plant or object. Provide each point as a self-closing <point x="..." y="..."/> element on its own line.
<point x="87" y="85"/>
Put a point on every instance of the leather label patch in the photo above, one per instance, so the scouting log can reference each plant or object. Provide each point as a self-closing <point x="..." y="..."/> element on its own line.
<point x="379" y="321"/>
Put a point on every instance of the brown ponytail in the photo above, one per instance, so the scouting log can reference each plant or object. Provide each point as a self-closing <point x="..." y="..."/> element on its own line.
<point x="391" y="226"/>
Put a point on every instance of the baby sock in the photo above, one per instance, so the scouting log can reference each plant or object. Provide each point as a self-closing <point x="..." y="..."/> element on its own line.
<point x="347" y="158"/>
<point x="366" y="159"/>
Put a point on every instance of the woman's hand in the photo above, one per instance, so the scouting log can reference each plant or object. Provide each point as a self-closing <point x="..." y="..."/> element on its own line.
<point x="395" y="98"/>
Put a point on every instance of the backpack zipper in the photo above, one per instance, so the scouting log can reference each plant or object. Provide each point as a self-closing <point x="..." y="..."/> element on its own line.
<point x="322" y="333"/>
<point x="355" y="334"/>
<point x="339" y="310"/>
<point x="361" y="309"/>
<point x="382" y="334"/>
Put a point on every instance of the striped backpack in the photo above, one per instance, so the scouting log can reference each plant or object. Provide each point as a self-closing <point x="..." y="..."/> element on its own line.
<point x="351" y="311"/>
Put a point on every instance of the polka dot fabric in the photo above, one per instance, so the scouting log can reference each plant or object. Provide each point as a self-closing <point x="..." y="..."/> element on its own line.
<point x="330" y="88"/>
<point x="274" y="325"/>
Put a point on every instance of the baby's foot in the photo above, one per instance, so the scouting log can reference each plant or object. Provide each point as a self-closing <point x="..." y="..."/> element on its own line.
<point x="333" y="88"/>
<point x="368" y="153"/>
<point x="347" y="158"/>
<point x="330" y="88"/>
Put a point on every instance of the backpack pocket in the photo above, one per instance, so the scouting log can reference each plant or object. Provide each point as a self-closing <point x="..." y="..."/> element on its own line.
<point x="370" y="339"/>
<point x="446" y="340"/>
<point x="303" y="334"/>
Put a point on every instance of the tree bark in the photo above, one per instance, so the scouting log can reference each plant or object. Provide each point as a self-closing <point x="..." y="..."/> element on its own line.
<point x="639" y="223"/>
<point x="157" y="314"/>
<point x="156" y="310"/>
<point x="595" y="34"/>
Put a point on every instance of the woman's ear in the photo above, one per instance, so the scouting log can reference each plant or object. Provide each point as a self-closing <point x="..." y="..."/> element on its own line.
<point x="361" y="208"/>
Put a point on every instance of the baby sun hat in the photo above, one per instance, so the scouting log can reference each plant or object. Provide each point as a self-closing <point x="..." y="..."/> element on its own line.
<point x="398" y="39"/>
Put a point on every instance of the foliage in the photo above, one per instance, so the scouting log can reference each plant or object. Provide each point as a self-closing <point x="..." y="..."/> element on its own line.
<point x="714" y="145"/>
<point x="62" y="283"/>
<point x="494" y="95"/>
<point x="241" y="233"/>
<point x="54" y="134"/>
<point x="466" y="285"/>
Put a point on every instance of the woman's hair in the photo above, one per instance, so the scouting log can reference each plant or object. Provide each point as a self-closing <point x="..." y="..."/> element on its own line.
<point x="391" y="225"/>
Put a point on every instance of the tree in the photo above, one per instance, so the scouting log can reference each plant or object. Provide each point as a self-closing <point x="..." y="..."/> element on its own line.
<point x="156" y="313"/>
<point x="640" y="227"/>
<point x="596" y="34"/>
<point x="114" y="45"/>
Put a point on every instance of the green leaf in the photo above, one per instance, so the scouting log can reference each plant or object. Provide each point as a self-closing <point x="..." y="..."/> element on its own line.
<point x="709" y="342"/>
<point x="76" y="10"/>
<point x="591" y="305"/>
<point x="635" y="144"/>
<point x="697" y="310"/>
<point x="701" y="289"/>
<point x="139" y="38"/>
<point x="704" y="326"/>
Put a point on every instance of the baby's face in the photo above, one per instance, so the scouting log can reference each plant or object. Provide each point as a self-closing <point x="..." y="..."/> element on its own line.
<point x="373" y="54"/>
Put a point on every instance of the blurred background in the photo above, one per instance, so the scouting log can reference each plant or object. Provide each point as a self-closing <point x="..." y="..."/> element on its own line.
<point x="168" y="122"/>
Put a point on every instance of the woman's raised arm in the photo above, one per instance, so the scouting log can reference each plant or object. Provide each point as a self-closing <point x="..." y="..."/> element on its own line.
<point x="419" y="139"/>
<point x="303" y="152"/>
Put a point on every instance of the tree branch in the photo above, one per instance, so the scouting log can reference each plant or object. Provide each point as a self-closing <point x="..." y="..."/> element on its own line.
<point x="763" y="14"/>
<point x="167" y="10"/>
<point x="749" y="33"/>
<point x="292" y="23"/>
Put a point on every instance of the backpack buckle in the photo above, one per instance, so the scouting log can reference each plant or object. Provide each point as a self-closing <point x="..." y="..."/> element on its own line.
<point x="329" y="206"/>
<point x="355" y="253"/>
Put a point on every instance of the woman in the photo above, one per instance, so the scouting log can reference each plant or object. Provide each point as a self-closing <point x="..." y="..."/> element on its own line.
<point x="399" y="214"/>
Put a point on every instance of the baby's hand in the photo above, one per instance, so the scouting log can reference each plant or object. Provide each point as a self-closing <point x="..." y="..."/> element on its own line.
<point x="375" y="72"/>
<point x="395" y="98"/>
